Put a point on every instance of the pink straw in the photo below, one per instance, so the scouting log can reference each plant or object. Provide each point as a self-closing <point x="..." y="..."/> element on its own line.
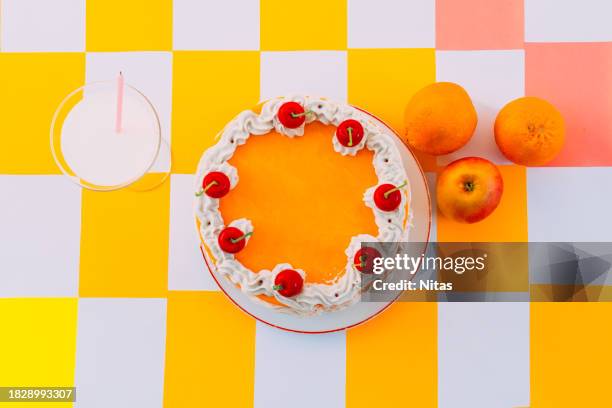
<point x="118" y="118"/>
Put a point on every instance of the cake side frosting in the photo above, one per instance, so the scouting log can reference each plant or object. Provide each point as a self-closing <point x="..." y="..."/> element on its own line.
<point x="314" y="297"/>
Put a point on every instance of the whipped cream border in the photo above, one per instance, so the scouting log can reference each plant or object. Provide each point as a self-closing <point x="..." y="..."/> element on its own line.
<point x="392" y="226"/>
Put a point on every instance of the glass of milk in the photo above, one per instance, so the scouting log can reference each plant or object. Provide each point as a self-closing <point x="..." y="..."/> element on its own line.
<point x="106" y="136"/>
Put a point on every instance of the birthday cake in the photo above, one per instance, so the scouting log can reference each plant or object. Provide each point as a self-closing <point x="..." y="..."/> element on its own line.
<point x="288" y="194"/>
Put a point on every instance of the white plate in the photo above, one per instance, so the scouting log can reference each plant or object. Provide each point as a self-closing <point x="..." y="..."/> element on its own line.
<point x="361" y="311"/>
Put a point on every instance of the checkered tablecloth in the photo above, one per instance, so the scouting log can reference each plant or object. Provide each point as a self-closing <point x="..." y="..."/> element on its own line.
<point x="107" y="291"/>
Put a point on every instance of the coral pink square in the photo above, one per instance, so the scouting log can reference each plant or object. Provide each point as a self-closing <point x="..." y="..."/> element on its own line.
<point x="577" y="79"/>
<point x="479" y="24"/>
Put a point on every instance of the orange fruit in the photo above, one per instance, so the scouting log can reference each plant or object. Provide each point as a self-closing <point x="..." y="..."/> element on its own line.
<point x="529" y="131"/>
<point x="440" y="118"/>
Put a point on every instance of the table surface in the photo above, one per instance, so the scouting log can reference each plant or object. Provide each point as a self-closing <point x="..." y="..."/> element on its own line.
<point x="107" y="291"/>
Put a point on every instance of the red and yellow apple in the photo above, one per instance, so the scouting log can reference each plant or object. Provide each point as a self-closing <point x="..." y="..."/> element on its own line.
<point x="469" y="189"/>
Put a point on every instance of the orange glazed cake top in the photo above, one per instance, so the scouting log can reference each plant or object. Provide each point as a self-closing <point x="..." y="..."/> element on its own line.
<point x="317" y="179"/>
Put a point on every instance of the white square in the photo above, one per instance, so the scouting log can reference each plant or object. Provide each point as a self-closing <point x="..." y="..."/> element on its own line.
<point x="316" y="73"/>
<point x="287" y="365"/>
<point x="569" y="204"/>
<point x="40" y="234"/>
<point x="150" y="73"/>
<point x="492" y="79"/>
<point x="391" y="24"/>
<point x="186" y="267"/>
<point x="568" y="20"/>
<point x="42" y="25"/>
<point x="483" y="355"/>
<point x="120" y="353"/>
<point x="216" y="25"/>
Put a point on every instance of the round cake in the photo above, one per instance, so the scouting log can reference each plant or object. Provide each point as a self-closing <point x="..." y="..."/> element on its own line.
<point x="288" y="194"/>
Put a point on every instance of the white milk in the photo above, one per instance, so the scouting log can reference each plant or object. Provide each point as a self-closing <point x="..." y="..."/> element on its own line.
<point x="95" y="151"/>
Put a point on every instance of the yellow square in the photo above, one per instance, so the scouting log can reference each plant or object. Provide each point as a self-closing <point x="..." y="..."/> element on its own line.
<point x="124" y="243"/>
<point x="210" y="352"/>
<point x="400" y="347"/>
<point x="38" y="344"/>
<point x="135" y="25"/>
<point x="31" y="88"/>
<point x="298" y="25"/>
<point x="508" y="223"/>
<point x="383" y="81"/>
<point x="570" y="354"/>
<point x="209" y="89"/>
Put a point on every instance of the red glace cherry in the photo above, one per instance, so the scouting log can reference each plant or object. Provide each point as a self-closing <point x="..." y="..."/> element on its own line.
<point x="288" y="282"/>
<point x="292" y="115"/>
<point x="349" y="133"/>
<point x="215" y="185"/>
<point x="232" y="240"/>
<point x="364" y="259"/>
<point x="387" y="197"/>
